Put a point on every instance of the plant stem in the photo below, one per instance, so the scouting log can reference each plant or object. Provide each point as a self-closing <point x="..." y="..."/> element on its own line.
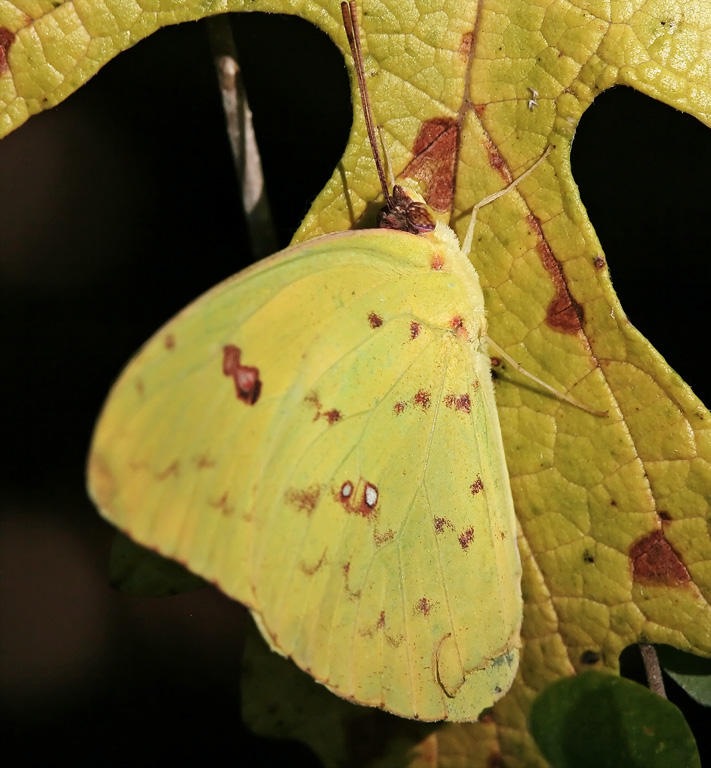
<point x="240" y="131"/>
<point x="653" y="670"/>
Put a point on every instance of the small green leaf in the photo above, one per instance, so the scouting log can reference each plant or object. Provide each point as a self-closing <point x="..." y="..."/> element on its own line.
<point x="692" y="673"/>
<point x="138" y="571"/>
<point x="596" y="719"/>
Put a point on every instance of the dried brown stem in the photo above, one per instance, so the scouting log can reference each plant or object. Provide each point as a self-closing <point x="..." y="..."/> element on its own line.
<point x="243" y="142"/>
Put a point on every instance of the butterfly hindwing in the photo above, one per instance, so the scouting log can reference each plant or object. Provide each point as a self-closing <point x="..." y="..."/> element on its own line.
<point x="318" y="436"/>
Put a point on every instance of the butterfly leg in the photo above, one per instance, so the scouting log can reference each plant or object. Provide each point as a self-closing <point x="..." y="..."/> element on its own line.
<point x="469" y="237"/>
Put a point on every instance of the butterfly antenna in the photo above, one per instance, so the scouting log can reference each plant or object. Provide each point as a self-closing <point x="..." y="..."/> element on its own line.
<point x="350" y="24"/>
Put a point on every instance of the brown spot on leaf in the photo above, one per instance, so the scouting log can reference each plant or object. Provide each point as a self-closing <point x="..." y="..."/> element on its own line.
<point x="332" y="416"/>
<point x="422" y="399"/>
<point x="434" y="156"/>
<point x="599" y="262"/>
<point x="476" y="486"/>
<point x="655" y="562"/>
<point x="497" y="162"/>
<point x="664" y="516"/>
<point x="563" y="314"/>
<point x="399" y="407"/>
<point x="589" y="657"/>
<point x="7" y="38"/>
<point x="414" y="330"/>
<point x="466" y="537"/>
<point x="588" y="556"/>
<point x="465" y="45"/>
<point x="304" y="499"/>
<point x="246" y="379"/>
<point x="480" y="109"/>
<point x="375" y="320"/>
<point x="169" y="341"/>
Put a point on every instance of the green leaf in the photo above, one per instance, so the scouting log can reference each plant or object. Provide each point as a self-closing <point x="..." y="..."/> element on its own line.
<point x="596" y="719"/>
<point x="690" y="672"/>
<point x="138" y="571"/>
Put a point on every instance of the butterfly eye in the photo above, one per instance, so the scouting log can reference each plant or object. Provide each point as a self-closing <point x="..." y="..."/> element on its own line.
<point x="419" y="218"/>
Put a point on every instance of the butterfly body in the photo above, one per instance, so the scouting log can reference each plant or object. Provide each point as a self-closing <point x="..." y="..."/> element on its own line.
<point x="318" y="436"/>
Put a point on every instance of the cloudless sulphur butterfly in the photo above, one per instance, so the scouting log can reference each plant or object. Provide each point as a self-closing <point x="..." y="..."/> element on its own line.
<point x="318" y="436"/>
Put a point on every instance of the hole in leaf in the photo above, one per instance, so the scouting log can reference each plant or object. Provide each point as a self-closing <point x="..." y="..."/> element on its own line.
<point x="643" y="170"/>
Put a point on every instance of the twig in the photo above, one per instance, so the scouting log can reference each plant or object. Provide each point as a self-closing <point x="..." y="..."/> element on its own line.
<point x="653" y="670"/>
<point x="240" y="131"/>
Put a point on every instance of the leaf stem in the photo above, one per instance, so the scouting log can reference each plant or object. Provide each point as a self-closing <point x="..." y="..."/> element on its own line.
<point x="243" y="142"/>
<point x="653" y="670"/>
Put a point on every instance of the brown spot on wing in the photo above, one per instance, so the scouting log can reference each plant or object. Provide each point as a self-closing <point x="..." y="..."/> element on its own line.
<point x="437" y="262"/>
<point x="172" y="469"/>
<point x="169" y="341"/>
<point x="424" y="606"/>
<point x="352" y="594"/>
<point x="383" y="538"/>
<point x="458" y="402"/>
<point x="399" y="407"/>
<point x="477" y="486"/>
<point x="203" y="461"/>
<point x="414" y="330"/>
<point x="466" y="537"/>
<point x="434" y="156"/>
<point x="655" y="562"/>
<point x="310" y="570"/>
<point x="375" y="320"/>
<point x="331" y="416"/>
<point x="422" y="398"/>
<point x="599" y="262"/>
<point x="246" y="378"/>
<point x="304" y="499"/>
<point x="361" y="499"/>
<point x="563" y="314"/>
<point x="7" y="38"/>
<point x="440" y="523"/>
<point x="222" y="504"/>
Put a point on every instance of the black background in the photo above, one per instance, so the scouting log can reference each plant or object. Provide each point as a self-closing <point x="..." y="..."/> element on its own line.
<point x="116" y="209"/>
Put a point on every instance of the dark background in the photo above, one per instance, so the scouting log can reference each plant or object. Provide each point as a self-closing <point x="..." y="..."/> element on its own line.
<point x="117" y="208"/>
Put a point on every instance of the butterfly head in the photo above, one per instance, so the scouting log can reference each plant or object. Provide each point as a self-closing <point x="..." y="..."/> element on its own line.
<point x="403" y="213"/>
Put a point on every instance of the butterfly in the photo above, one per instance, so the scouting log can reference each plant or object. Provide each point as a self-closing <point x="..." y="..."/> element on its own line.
<point x="318" y="436"/>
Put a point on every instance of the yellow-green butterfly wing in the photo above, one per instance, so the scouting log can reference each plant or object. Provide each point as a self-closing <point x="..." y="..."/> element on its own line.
<point x="318" y="436"/>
